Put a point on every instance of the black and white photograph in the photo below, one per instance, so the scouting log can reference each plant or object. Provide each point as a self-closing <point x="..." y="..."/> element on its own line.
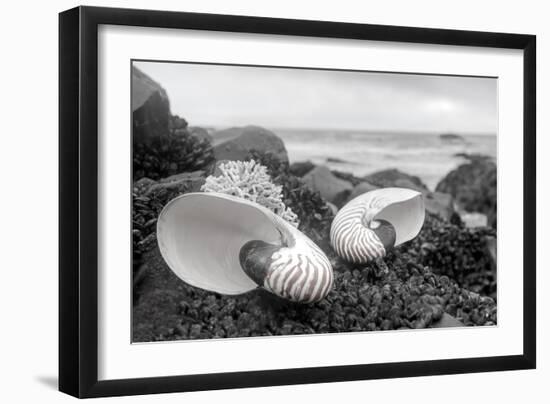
<point x="270" y="201"/>
<point x="275" y="202"/>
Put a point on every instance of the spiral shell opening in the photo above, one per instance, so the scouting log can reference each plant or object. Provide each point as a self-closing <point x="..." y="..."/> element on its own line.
<point x="354" y="230"/>
<point x="406" y="214"/>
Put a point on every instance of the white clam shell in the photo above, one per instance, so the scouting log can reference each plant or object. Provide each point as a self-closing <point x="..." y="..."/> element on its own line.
<point x="351" y="232"/>
<point x="201" y="234"/>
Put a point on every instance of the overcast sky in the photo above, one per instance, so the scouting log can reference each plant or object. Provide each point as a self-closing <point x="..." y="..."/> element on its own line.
<point x="224" y="96"/>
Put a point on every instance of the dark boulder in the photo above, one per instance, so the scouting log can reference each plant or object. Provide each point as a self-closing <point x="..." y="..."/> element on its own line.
<point x="360" y="189"/>
<point x="150" y="108"/>
<point x="473" y="185"/>
<point x="238" y="143"/>
<point x="396" y="178"/>
<point x="301" y="168"/>
<point x="177" y="123"/>
<point x="452" y="138"/>
<point x="162" y="143"/>
<point x="331" y="188"/>
<point x="439" y="204"/>
<point x="348" y="177"/>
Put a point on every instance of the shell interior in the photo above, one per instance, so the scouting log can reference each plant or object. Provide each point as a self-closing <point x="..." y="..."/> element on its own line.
<point x="200" y="236"/>
<point x="405" y="212"/>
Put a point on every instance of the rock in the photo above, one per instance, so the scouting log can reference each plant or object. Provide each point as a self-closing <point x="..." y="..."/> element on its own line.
<point x="440" y="204"/>
<point x="361" y="189"/>
<point x="474" y="187"/>
<point x="491" y="244"/>
<point x="473" y="219"/>
<point x="348" y="177"/>
<point x="301" y="168"/>
<point x="177" y="123"/>
<point x="396" y="178"/>
<point x="447" y="321"/>
<point x="200" y="133"/>
<point x="150" y="108"/>
<point x="337" y="160"/>
<point x="331" y="188"/>
<point x="238" y="143"/>
<point x="475" y="157"/>
<point x="452" y="138"/>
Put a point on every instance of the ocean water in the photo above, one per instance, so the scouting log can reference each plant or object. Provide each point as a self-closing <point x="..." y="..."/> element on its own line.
<point x="427" y="156"/>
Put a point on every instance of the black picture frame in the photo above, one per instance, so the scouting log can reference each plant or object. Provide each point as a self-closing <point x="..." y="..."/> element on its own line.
<point x="78" y="200"/>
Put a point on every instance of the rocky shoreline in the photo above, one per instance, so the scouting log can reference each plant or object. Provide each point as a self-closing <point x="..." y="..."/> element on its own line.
<point x="447" y="272"/>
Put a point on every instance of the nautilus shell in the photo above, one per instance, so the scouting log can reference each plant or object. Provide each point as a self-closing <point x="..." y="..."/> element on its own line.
<point x="229" y="245"/>
<point x="374" y="222"/>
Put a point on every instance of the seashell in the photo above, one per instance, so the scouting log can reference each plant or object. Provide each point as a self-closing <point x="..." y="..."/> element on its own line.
<point x="376" y="221"/>
<point x="226" y="244"/>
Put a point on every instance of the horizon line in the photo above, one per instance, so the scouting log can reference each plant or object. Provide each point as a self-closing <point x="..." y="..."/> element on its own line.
<point x="366" y="130"/>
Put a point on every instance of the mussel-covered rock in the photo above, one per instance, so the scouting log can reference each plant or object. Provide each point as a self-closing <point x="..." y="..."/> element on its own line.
<point x="148" y="199"/>
<point x="162" y="143"/>
<point x="462" y="254"/>
<point x="388" y="294"/>
<point x="171" y="154"/>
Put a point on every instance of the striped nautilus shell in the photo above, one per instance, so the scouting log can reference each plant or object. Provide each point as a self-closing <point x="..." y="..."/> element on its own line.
<point x="226" y="244"/>
<point x="376" y="221"/>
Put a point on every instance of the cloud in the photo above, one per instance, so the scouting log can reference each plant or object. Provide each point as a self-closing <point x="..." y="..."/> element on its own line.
<point x="221" y="96"/>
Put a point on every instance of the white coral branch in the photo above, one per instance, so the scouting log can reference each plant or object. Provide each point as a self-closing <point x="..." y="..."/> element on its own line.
<point x="249" y="180"/>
